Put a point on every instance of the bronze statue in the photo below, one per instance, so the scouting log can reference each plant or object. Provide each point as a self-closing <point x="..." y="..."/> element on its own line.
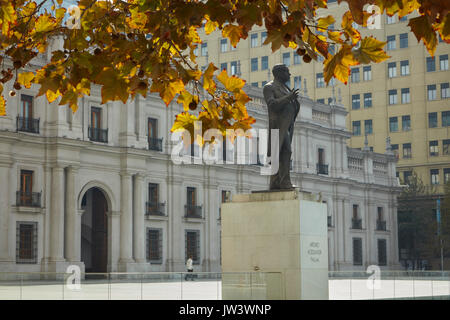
<point x="283" y="107"/>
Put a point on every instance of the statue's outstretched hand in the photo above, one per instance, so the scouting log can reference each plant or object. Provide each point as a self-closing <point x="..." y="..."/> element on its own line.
<point x="294" y="94"/>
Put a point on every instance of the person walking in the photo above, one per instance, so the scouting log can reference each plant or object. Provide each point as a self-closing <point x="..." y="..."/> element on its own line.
<point x="190" y="269"/>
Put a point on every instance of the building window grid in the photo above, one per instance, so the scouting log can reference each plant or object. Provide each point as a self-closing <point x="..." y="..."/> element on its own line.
<point x="287" y="58"/>
<point x="406" y="98"/>
<point x="320" y="82"/>
<point x="356" y="101"/>
<point x="406" y="123"/>
<point x="254" y="40"/>
<point x="355" y="75"/>
<point x="446" y="175"/>
<point x="264" y="63"/>
<point x="431" y="64"/>
<point x="393" y="124"/>
<point x="154" y="245"/>
<point x="404" y="67"/>
<point x="404" y="40"/>
<point x="446" y="147"/>
<point x="445" y="90"/>
<point x="254" y="64"/>
<point x="356" y="128"/>
<point x="357" y="252"/>
<point x="445" y="115"/>
<point x="392" y="96"/>
<point x="434" y="176"/>
<point x="431" y="92"/>
<point x="367" y="100"/>
<point x="392" y="69"/>
<point x="391" y="43"/>
<point x="443" y="62"/>
<point x="407" y="152"/>
<point x="368" y="129"/>
<point x="192" y="245"/>
<point x="432" y="120"/>
<point x="382" y="256"/>
<point x="367" y="73"/>
<point x="434" y="148"/>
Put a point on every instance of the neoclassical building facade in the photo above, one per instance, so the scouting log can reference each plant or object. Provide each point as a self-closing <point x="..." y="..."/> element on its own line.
<point x="97" y="188"/>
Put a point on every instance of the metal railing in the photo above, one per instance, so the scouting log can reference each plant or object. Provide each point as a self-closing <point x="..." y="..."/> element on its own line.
<point x="155" y="144"/>
<point x="381" y="225"/>
<point x="356" y="223"/>
<point x="191" y="211"/>
<point x="27" y="124"/>
<point x="141" y="286"/>
<point x="97" y="134"/>
<point x="322" y="168"/>
<point x="28" y="199"/>
<point x="155" y="209"/>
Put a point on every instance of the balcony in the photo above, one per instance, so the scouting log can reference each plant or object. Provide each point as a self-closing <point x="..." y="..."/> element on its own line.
<point x="155" y="209"/>
<point x="27" y="124"/>
<point x="28" y="199"/>
<point x="98" y="135"/>
<point x="155" y="144"/>
<point x="192" y="211"/>
<point x="381" y="225"/>
<point x="356" y="224"/>
<point x="322" y="168"/>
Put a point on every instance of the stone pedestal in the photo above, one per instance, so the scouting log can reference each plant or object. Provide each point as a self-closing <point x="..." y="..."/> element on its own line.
<point x="279" y="232"/>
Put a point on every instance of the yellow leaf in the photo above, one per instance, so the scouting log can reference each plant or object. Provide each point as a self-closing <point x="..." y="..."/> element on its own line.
<point x="183" y="121"/>
<point x="43" y="24"/>
<point x="232" y="84"/>
<point x="51" y="95"/>
<point x="7" y="16"/>
<point x="114" y="87"/>
<point x="208" y="81"/>
<point x="25" y="79"/>
<point x="371" y="50"/>
<point x="60" y="12"/>
<point x="137" y="20"/>
<point x="185" y="98"/>
<point x="234" y="33"/>
<point x="323" y="23"/>
<point x="423" y="30"/>
<point x="193" y="35"/>
<point x="338" y="65"/>
<point x="272" y="6"/>
<point x="210" y="26"/>
<point x="2" y="103"/>
<point x="335" y="36"/>
<point x="167" y="89"/>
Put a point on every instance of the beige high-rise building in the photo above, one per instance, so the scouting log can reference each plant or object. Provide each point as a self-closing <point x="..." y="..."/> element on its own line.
<point x="405" y="98"/>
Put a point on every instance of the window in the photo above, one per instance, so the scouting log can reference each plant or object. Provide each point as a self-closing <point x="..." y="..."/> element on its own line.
<point x="321" y="100"/>
<point x="432" y="120"/>
<point x="196" y="51"/>
<point x="355" y="101"/>
<point x="431" y="92"/>
<point x="264" y="63"/>
<point x="406" y="176"/>
<point x="368" y="127"/>
<point x="404" y="18"/>
<point x="330" y="100"/>
<point x="153" y="193"/>
<point x="434" y="148"/>
<point x="254" y="40"/>
<point x="445" y="118"/>
<point x="445" y="91"/>
<point x="367" y="73"/>
<point x="191" y="196"/>
<point x="26" y="185"/>
<point x="390" y="20"/>
<point x="26" y="106"/>
<point x="434" y="175"/>
<point x="405" y="95"/>
<point x="223" y="45"/>
<point x="367" y="100"/>
<point x="233" y="67"/>
<point x="382" y="256"/>
<point x="446" y="175"/>
<point x="392" y="96"/>
<point x="407" y="153"/>
<point x="394" y="148"/>
<point x="431" y="65"/>
<point x="404" y="67"/>
<point x="406" y="123"/>
<point x="393" y="124"/>
<point x="152" y="128"/>
<point x="263" y="37"/>
<point x="446" y="146"/>
<point x="255" y="84"/>
<point x="96" y="117"/>
<point x="26" y="242"/>
<point x="204" y="49"/>
<point x="357" y="251"/>
<point x="320" y="83"/>
<point x="356" y="128"/>
<point x="287" y="59"/>
<point x="192" y="238"/>
<point x="223" y="66"/>
<point x="443" y="62"/>
<point x="392" y="69"/>
<point x="154" y="245"/>
<point x="297" y="58"/>
<point x="404" y="40"/>
<point x="391" y="43"/>
<point x="355" y="75"/>
<point x="297" y="82"/>
<point x="254" y="64"/>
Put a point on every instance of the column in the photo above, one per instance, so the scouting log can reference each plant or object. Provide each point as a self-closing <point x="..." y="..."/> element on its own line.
<point x="126" y="219"/>
<point x="72" y="216"/>
<point x="57" y="215"/>
<point x="138" y="219"/>
<point x="4" y="213"/>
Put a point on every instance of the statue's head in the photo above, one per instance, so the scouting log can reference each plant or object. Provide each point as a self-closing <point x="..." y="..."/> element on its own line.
<point x="281" y="72"/>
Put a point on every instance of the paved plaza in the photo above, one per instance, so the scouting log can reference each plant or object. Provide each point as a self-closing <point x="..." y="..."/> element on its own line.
<point x="355" y="289"/>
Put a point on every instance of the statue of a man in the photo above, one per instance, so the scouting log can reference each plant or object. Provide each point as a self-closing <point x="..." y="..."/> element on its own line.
<point x="283" y="107"/>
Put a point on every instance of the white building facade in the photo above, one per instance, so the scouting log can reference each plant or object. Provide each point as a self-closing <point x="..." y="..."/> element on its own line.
<point x="98" y="188"/>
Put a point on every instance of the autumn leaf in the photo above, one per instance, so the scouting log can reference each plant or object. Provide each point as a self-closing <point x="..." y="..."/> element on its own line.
<point x="370" y="50"/>
<point x="232" y="84"/>
<point x="423" y="30"/>
<point x="7" y="16"/>
<point x="210" y="26"/>
<point x="167" y="89"/>
<point x="44" y="24"/>
<point x="183" y="121"/>
<point x="232" y="32"/>
<point x="323" y="23"/>
<point x="186" y="98"/>
<point x="25" y="79"/>
<point x="113" y="86"/>
<point x="208" y="81"/>
<point x="338" y="65"/>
